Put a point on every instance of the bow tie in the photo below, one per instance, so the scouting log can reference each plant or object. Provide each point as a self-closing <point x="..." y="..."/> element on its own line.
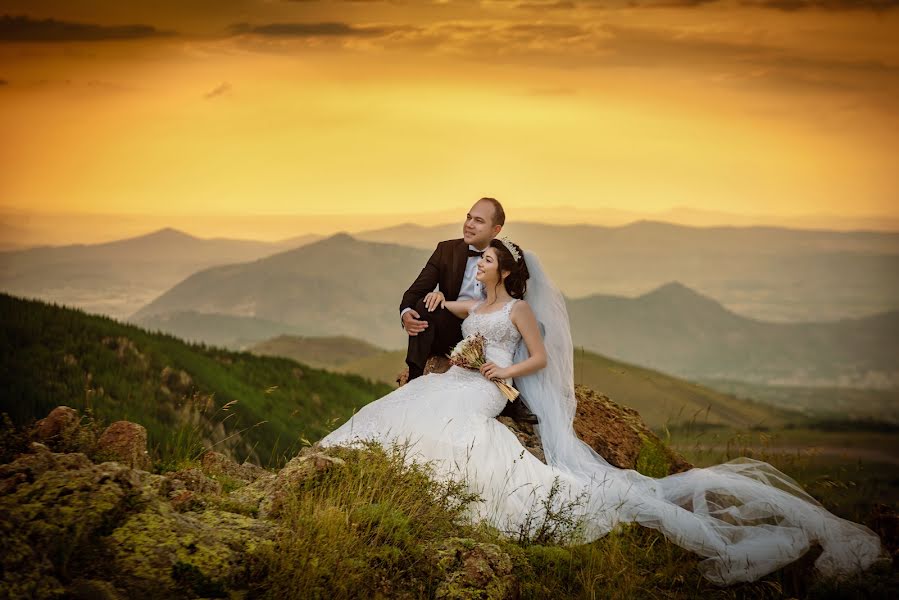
<point x="475" y="252"/>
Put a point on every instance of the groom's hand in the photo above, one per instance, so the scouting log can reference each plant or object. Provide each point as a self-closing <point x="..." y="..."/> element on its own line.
<point x="412" y="324"/>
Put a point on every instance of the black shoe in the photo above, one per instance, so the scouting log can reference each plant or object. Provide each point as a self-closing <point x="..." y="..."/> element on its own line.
<point x="517" y="411"/>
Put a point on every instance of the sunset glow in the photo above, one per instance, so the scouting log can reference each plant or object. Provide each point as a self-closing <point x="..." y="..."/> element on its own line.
<point x="395" y="107"/>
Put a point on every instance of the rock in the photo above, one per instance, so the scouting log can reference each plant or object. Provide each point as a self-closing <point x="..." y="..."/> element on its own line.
<point x="160" y="552"/>
<point x="194" y="480"/>
<point x="60" y="423"/>
<point x="620" y="436"/>
<point x="435" y="364"/>
<point x="52" y="519"/>
<point x="525" y="434"/>
<point x="617" y="433"/>
<point x="216" y="463"/>
<point x="267" y="492"/>
<point x="125" y="442"/>
<point x="472" y="569"/>
<point x="175" y="381"/>
<point x="75" y="529"/>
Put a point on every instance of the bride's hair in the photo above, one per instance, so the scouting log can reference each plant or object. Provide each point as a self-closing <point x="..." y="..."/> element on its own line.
<point x="517" y="281"/>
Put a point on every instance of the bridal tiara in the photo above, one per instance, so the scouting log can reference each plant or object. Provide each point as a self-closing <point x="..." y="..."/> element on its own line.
<point x="511" y="247"/>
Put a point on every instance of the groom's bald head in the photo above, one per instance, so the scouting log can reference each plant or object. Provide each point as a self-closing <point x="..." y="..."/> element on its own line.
<point x="499" y="215"/>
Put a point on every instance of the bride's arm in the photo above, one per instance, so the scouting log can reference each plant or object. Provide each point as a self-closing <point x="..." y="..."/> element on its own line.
<point x="460" y="308"/>
<point x="524" y="319"/>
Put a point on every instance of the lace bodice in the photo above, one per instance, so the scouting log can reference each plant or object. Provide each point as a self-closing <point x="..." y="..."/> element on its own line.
<point x="497" y="327"/>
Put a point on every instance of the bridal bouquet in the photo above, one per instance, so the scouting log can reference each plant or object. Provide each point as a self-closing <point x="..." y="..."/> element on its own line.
<point x="469" y="354"/>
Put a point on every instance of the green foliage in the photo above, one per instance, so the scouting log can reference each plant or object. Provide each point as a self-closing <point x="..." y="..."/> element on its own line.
<point x="364" y="525"/>
<point x="51" y="356"/>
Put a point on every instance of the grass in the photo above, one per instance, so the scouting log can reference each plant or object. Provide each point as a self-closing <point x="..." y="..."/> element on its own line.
<point x="376" y="526"/>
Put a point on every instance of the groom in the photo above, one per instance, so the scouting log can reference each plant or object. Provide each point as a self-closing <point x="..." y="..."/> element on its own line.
<point x="452" y="266"/>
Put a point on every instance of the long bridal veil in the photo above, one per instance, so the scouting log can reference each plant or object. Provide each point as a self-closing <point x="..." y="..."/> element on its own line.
<point x="745" y="516"/>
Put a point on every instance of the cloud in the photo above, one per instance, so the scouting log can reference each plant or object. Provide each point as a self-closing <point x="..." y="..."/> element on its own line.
<point x="22" y="28"/>
<point x="546" y="6"/>
<point x="302" y="30"/>
<point x="829" y="5"/>
<point x="781" y="5"/>
<point x="219" y="90"/>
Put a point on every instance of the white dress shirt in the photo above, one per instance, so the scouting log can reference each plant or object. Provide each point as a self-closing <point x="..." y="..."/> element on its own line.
<point x="471" y="288"/>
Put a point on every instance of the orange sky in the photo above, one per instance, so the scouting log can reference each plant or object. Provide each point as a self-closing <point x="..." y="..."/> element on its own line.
<point x="228" y="107"/>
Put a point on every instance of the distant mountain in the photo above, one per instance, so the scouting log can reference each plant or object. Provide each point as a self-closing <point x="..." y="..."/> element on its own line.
<point x="661" y="399"/>
<point x="53" y="355"/>
<point x="116" y="278"/>
<point x="337" y="286"/>
<point x="343" y="286"/>
<point x="768" y="273"/>
<point x="680" y="331"/>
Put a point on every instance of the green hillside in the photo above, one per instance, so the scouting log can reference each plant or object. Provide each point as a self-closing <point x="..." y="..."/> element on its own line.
<point x="52" y="355"/>
<point x="660" y="399"/>
<point x="234" y="332"/>
<point x="341" y="354"/>
<point x="320" y="352"/>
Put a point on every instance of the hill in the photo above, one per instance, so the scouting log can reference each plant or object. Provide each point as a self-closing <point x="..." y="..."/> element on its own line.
<point x="343" y="286"/>
<point x="679" y="331"/>
<point x="662" y="400"/>
<point x="337" y="286"/>
<point x="53" y="355"/>
<point x="769" y="273"/>
<point x="116" y="278"/>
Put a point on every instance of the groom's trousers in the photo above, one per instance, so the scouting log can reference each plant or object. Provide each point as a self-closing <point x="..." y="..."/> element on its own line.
<point x="443" y="332"/>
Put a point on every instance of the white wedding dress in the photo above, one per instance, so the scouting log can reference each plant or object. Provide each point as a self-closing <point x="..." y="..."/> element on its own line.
<point x="746" y="517"/>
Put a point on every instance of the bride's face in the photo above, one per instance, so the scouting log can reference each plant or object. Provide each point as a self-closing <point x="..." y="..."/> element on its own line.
<point x="488" y="267"/>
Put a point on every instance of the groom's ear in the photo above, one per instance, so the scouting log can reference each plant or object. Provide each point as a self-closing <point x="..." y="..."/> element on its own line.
<point x="497" y="229"/>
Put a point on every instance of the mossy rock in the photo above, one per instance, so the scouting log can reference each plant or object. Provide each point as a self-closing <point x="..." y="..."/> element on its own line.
<point x="161" y="550"/>
<point x="54" y="511"/>
<point x="617" y="433"/>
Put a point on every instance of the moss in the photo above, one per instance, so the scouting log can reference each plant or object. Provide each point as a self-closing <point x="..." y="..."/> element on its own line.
<point x="652" y="460"/>
<point x="209" y="547"/>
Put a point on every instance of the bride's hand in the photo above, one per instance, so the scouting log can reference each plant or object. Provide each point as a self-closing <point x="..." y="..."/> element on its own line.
<point x="491" y="371"/>
<point x="433" y="300"/>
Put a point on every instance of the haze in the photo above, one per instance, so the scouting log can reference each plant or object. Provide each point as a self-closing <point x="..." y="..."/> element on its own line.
<point x="168" y="113"/>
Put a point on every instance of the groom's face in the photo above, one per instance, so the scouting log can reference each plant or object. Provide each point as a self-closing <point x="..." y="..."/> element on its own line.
<point x="479" y="229"/>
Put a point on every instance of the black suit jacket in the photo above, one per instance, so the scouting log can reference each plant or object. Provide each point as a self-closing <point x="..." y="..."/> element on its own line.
<point x="445" y="267"/>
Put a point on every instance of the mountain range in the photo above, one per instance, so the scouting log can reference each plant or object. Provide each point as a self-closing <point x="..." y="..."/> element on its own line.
<point x="336" y="286"/>
<point x="117" y="278"/>
<point x="768" y="273"/>
<point x="344" y="286"/>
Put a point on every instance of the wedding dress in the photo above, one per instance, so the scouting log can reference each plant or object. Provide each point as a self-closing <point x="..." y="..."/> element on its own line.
<point x="746" y="517"/>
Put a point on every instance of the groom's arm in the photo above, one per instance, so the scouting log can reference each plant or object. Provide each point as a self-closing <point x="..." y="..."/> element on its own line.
<point x="426" y="281"/>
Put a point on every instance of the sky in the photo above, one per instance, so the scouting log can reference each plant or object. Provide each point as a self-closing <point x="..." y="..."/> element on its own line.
<point x="185" y="110"/>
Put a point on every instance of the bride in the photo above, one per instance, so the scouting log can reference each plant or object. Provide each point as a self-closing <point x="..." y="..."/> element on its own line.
<point x="744" y="516"/>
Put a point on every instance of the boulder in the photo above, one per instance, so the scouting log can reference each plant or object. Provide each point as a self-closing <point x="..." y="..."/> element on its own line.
<point x="125" y="442"/>
<point x="72" y="528"/>
<point x="267" y="492"/>
<point x="470" y="569"/>
<point x="60" y="423"/>
<point x="218" y="464"/>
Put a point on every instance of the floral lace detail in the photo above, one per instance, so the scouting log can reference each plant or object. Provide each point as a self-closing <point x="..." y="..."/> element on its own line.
<point x="499" y="330"/>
